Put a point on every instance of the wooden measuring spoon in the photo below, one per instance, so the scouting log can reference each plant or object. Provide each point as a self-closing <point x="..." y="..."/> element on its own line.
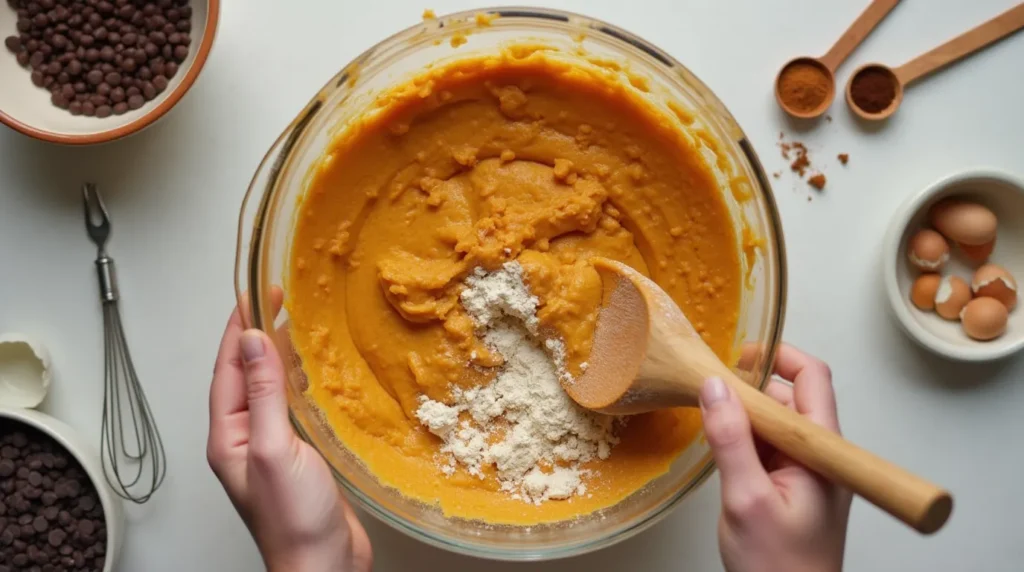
<point x="842" y="49"/>
<point x="646" y="355"/>
<point x="961" y="46"/>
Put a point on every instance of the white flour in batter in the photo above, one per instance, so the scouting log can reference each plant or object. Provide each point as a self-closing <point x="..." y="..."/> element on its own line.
<point x="522" y="423"/>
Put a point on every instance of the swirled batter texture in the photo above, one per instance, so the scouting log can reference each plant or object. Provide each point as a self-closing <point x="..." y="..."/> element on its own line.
<point x="517" y="156"/>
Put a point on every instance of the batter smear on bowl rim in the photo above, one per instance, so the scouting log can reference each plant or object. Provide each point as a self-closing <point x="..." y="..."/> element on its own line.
<point x="440" y="290"/>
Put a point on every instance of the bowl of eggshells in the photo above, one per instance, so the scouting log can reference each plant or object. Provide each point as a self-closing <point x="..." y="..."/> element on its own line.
<point x="953" y="255"/>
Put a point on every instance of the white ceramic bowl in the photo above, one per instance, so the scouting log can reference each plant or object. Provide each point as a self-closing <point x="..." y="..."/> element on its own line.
<point x="1004" y="194"/>
<point x="27" y="108"/>
<point x="87" y="456"/>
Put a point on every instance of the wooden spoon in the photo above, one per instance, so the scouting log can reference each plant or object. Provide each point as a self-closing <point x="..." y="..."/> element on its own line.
<point x="842" y="49"/>
<point x="961" y="46"/>
<point x="646" y="355"/>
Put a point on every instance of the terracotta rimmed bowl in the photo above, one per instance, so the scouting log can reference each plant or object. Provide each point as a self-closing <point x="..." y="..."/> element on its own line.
<point x="27" y="108"/>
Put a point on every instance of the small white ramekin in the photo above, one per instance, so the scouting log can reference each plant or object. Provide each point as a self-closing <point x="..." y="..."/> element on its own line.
<point x="1004" y="194"/>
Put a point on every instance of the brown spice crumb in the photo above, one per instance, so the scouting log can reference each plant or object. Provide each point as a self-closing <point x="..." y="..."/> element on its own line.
<point x="844" y="158"/>
<point x="817" y="181"/>
<point x="809" y="198"/>
<point x="828" y="118"/>
<point x="777" y="174"/>
<point x="801" y="162"/>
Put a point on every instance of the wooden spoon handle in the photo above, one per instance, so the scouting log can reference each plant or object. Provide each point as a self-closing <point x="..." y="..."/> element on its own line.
<point x="995" y="29"/>
<point x="917" y="502"/>
<point x="856" y="33"/>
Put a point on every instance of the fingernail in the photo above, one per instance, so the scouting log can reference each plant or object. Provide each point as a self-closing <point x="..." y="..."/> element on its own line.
<point x="714" y="390"/>
<point x="252" y="346"/>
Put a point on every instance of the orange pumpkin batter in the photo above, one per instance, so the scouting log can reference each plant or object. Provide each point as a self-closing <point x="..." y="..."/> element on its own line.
<point x="516" y="156"/>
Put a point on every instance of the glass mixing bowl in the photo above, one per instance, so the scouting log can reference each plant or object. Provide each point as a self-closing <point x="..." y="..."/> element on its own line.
<point x="267" y="222"/>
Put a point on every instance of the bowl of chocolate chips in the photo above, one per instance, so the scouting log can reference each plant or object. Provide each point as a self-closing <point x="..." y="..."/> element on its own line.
<point x="56" y="510"/>
<point x="81" y="72"/>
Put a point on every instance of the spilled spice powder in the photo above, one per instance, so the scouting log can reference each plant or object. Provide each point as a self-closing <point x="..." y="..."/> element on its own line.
<point x="817" y="181"/>
<point x="844" y="158"/>
<point x="797" y="152"/>
<point x="800" y="162"/>
<point x="873" y="89"/>
<point x="803" y="86"/>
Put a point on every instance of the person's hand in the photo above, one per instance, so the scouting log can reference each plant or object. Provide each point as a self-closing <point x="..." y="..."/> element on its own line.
<point x="777" y="516"/>
<point x="280" y="486"/>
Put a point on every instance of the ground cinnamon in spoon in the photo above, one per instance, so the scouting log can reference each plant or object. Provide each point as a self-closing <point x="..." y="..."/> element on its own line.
<point x="803" y="87"/>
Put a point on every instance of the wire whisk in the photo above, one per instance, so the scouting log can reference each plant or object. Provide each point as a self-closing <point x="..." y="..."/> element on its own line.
<point x="131" y="450"/>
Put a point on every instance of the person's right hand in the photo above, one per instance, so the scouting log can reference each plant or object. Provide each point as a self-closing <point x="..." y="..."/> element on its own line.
<point x="777" y="516"/>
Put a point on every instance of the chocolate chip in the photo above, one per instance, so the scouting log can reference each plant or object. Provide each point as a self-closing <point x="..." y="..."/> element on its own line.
<point x="56" y="537"/>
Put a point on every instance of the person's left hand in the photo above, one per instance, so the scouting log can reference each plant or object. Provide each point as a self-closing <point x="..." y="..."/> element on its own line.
<point x="280" y="486"/>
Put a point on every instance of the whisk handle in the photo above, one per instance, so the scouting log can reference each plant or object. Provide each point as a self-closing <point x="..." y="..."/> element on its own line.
<point x="108" y="279"/>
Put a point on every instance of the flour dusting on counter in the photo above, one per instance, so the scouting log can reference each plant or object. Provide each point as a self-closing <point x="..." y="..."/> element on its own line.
<point x="522" y="423"/>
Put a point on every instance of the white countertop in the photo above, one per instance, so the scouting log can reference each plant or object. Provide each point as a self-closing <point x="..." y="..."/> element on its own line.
<point x="174" y="193"/>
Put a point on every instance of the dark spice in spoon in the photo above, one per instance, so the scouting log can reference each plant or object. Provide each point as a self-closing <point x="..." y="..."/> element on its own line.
<point x="873" y="90"/>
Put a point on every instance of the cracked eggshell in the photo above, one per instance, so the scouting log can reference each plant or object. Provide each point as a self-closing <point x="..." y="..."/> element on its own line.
<point x="951" y="297"/>
<point x="994" y="281"/>
<point x="928" y="251"/>
<point x="24" y="371"/>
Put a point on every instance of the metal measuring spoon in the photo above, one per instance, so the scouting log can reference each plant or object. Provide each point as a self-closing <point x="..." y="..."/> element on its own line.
<point x="827" y="64"/>
<point x="959" y="47"/>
